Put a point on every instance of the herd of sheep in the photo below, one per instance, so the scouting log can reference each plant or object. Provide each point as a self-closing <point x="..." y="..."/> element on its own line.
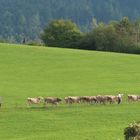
<point x="102" y="99"/>
<point x="99" y="99"/>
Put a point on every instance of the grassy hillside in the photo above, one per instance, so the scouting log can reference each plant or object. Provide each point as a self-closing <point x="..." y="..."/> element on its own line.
<point x="36" y="71"/>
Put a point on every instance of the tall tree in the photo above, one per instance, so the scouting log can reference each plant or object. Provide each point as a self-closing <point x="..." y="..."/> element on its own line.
<point x="62" y="33"/>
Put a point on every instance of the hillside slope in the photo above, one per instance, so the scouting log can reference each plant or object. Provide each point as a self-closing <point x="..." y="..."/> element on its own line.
<point x="38" y="71"/>
<point x="63" y="72"/>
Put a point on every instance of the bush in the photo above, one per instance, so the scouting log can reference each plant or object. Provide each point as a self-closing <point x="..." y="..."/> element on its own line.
<point x="34" y="43"/>
<point x="132" y="132"/>
<point x="62" y="33"/>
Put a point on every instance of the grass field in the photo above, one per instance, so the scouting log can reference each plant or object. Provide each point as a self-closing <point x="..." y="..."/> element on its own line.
<point x="37" y="71"/>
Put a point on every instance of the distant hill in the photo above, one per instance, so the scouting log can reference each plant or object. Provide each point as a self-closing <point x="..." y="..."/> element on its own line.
<point x="27" y="17"/>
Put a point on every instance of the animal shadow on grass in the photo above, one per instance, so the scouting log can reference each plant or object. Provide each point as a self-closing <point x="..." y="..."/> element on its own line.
<point x="51" y="107"/>
<point x="54" y="107"/>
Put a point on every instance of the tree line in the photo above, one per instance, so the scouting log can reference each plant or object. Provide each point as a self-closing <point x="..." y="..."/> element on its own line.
<point x="116" y="36"/>
<point x="27" y="18"/>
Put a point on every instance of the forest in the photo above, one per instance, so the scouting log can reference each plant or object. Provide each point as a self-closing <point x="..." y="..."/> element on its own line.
<point x="27" y="18"/>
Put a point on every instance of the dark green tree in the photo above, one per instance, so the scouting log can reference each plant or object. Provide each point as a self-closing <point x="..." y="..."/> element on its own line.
<point x="62" y="33"/>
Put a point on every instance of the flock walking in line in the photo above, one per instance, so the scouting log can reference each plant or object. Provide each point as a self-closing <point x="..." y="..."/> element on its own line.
<point x="99" y="99"/>
<point x="77" y="99"/>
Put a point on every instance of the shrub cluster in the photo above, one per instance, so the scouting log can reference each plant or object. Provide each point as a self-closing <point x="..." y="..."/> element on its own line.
<point x="116" y="36"/>
<point x="132" y="132"/>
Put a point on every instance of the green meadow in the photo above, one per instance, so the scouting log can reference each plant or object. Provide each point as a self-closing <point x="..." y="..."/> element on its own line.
<point x="27" y="71"/>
